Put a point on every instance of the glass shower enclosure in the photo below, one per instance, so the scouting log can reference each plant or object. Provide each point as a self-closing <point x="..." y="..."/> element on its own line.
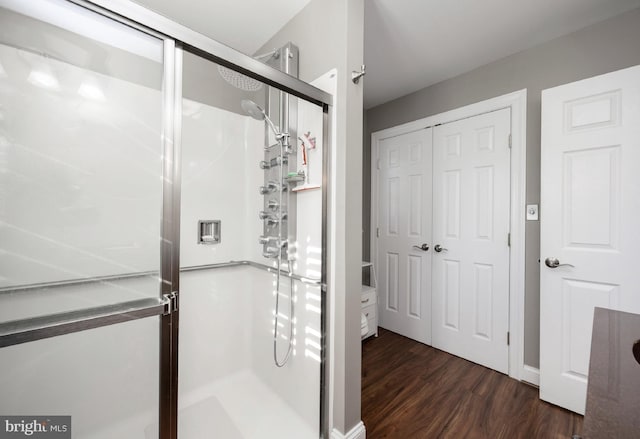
<point x="163" y="230"/>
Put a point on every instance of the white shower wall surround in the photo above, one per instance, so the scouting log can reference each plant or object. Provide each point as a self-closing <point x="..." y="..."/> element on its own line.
<point x="227" y="360"/>
<point x="87" y="375"/>
<point x="220" y="180"/>
<point x="84" y="202"/>
<point x="226" y="316"/>
<point x="226" y="367"/>
<point x="64" y="215"/>
<point x="226" y="324"/>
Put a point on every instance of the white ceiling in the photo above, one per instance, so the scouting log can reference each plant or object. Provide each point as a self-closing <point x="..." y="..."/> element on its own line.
<point x="244" y="25"/>
<point x="409" y="44"/>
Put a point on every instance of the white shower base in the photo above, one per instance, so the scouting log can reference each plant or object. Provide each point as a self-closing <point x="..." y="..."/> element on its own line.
<point x="239" y="406"/>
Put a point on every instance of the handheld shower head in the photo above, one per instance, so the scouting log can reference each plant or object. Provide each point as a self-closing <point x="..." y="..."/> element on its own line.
<point x="255" y="111"/>
<point x="252" y="109"/>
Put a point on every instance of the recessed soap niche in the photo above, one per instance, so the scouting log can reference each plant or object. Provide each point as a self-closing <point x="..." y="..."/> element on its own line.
<point x="209" y="232"/>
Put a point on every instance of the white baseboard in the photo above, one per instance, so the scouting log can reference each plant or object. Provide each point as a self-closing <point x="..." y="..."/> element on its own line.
<point x="531" y="375"/>
<point x="357" y="432"/>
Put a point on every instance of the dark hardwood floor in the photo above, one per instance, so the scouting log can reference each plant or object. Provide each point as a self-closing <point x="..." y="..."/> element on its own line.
<point x="410" y="390"/>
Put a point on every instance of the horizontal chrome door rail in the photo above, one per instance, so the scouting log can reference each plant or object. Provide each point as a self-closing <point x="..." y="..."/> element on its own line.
<point x="66" y="283"/>
<point x="258" y="265"/>
<point x="89" y="280"/>
<point x="37" y="328"/>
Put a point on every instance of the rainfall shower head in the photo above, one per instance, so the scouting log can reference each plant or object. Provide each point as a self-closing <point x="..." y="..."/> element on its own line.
<point x="238" y="80"/>
<point x="254" y="110"/>
<point x="243" y="82"/>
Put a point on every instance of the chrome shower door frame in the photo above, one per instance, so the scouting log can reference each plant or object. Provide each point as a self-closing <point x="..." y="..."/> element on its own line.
<point x="193" y="42"/>
<point x="177" y="39"/>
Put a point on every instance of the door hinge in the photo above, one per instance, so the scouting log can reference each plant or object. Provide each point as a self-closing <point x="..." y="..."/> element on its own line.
<point x="170" y="303"/>
<point x="378" y="164"/>
<point x="508" y="239"/>
<point x="510" y="140"/>
<point x="508" y="338"/>
<point x="377" y="232"/>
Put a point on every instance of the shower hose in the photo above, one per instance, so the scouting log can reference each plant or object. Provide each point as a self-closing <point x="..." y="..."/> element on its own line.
<point x="282" y="141"/>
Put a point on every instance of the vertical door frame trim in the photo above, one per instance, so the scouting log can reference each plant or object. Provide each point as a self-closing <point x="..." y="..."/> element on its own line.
<point x="517" y="102"/>
<point x="170" y="234"/>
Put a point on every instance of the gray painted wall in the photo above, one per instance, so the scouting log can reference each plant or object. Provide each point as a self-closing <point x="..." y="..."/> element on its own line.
<point x="329" y="34"/>
<point x="604" y="47"/>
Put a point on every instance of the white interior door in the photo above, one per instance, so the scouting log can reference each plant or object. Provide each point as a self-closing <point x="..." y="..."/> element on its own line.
<point x="471" y="225"/>
<point x="590" y="196"/>
<point x="404" y="225"/>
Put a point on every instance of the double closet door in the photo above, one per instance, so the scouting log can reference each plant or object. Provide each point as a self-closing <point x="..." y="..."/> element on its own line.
<point x="443" y="236"/>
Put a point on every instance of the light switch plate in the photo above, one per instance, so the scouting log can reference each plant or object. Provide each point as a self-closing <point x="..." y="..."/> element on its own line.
<point x="532" y="212"/>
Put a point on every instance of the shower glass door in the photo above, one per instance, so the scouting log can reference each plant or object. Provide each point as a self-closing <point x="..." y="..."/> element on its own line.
<point x="250" y="343"/>
<point x="92" y="168"/>
<point x="81" y="196"/>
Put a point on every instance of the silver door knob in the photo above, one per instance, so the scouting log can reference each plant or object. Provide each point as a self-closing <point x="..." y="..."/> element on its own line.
<point x="439" y="248"/>
<point x="555" y="263"/>
<point x="423" y="247"/>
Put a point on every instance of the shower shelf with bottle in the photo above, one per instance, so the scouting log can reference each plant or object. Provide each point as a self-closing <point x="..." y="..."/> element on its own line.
<point x="294" y="177"/>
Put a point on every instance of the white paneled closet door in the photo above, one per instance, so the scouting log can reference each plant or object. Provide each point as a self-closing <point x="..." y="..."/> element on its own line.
<point x="589" y="240"/>
<point x="404" y="234"/>
<point x="471" y="187"/>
